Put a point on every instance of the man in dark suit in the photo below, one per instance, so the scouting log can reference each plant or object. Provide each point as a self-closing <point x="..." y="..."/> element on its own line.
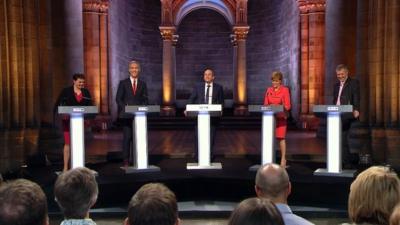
<point x="208" y="92"/>
<point x="346" y="92"/>
<point x="131" y="91"/>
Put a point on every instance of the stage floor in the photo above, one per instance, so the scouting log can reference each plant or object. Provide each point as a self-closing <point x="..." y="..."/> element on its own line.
<point x="170" y="150"/>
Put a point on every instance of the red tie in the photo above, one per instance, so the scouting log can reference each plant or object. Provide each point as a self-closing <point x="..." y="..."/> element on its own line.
<point x="134" y="87"/>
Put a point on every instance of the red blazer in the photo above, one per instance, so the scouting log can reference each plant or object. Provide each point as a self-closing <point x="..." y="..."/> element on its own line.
<point x="279" y="97"/>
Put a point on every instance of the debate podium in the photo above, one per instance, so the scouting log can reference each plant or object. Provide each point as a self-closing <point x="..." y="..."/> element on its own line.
<point x="268" y="132"/>
<point x="334" y="139"/>
<point x="139" y="125"/>
<point x="77" y="131"/>
<point x="204" y="112"/>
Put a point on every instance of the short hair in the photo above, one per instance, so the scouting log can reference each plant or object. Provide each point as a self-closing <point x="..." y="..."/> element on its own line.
<point x="395" y="217"/>
<point x="256" y="211"/>
<point x="153" y="203"/>
<point x="277" y="75"/>
<point x="76" y="192"/>
<point x="134" y="62"/>
<point x="274" y="182"/>
<point x="78" y="76"/>
<point x="22" y="202"/>
<point x="342" y="67"/>
<point x="373" y="195"/>
<point x="208" y="68"/>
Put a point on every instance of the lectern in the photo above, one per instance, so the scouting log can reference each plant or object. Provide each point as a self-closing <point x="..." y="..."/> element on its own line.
<point x="140" y="149"/>
<point x="334" y="139"/>
<point x="203" y="113"/>
<point x="268" y="132"/>
<point x="77" y="131"/>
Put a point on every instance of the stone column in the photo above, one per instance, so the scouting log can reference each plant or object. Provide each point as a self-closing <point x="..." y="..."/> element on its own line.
<point x="312" y="26"/>
<point x="95" y="36"/>
<point x="378" y="61"/>
<point x="168" y="93"/>
<point x="240" y="91"/>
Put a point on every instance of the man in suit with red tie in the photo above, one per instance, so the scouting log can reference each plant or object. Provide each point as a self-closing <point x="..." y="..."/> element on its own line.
<point x="131" y="91"/>
<point x="346" y="92"/>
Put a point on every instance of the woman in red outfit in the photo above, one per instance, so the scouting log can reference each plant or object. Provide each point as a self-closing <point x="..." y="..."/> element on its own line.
<point x="75" y="95"/>
<point x="279" y="95"/>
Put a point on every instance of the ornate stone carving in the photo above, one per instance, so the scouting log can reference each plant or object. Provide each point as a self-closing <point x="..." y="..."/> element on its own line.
<point x="168" y="33"/>
<point x="240" y="32"/>
<point x="312" y="6"/>
<point x="95" y="6"/>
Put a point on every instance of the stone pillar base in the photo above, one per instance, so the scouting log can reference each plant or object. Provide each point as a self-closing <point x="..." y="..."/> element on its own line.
<point x="241" y="110"/>
<point x="168" y="111"/>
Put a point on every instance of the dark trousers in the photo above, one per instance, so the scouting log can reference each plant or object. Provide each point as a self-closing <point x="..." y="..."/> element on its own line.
<point x="128" y="144"/>
<point x="347" y="156"/>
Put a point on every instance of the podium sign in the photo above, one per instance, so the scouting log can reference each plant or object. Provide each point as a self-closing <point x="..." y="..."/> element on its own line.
<point x="334" y="139"/>
<point x="77" y="131"/>
<point x="203" y="113"/>
<point x="268" y="132"/>
<point x="139" y="124"/>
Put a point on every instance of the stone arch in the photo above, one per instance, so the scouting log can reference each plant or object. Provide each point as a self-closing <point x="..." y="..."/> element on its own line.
<point x="216" y="5"/>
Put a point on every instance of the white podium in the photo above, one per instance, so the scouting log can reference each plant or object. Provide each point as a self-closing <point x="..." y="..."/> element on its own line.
<point x="268" y="132"/>
<point x="77" y="131"/>
<point x="203" y="113"/>
<point x="334" y="140"/>
<point x="140" y="149"/>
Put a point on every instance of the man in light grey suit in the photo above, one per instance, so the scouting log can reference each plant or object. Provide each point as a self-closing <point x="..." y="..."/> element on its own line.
<point x="272" y="182"/>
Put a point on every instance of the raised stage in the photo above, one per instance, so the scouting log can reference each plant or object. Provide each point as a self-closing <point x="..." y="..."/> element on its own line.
<point x="237" y="147"/>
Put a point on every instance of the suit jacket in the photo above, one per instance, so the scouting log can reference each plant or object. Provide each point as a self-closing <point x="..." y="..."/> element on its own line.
<point x="198" y="93"/>
<point x="67" y="98"/>
<point x="289" y="218"/>
<point x="125" y="96"/>
<point x="350" y="93"/>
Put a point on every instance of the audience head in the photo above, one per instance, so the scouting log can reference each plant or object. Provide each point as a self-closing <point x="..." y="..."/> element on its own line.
<point x="256" y="211"/>
<point x="153" y="204"/>
<point x="76" y="192"/>
<point x="272" y="181"/>
<point x="22" y="202"/>
<point x="373" y="195"/>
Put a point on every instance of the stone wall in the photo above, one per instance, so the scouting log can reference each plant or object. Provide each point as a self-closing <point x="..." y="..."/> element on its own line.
<point x="204" y="41"/>
<point x="273" y="44"/>
<point x="134" y="35"/>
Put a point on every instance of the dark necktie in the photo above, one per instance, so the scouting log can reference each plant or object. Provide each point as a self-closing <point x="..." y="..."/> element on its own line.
<point x="207" y="94"/>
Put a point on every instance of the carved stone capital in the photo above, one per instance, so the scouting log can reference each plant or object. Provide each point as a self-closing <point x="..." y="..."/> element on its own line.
<point x="95" y="6"/>
<point x="240" y="33"/>
<point x="311" y="6"/>
<point x="168" y="33"/>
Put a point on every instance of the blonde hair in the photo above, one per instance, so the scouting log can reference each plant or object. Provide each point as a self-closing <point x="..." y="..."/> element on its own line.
<point x="277" y="75"/>
<point x="373" y="195"/>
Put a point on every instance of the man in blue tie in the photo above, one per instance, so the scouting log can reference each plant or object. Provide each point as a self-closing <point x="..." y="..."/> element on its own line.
<point x="208" y="92"/>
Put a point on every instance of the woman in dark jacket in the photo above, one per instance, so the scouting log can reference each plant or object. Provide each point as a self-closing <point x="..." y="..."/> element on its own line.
<point x="75" y="95"/>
